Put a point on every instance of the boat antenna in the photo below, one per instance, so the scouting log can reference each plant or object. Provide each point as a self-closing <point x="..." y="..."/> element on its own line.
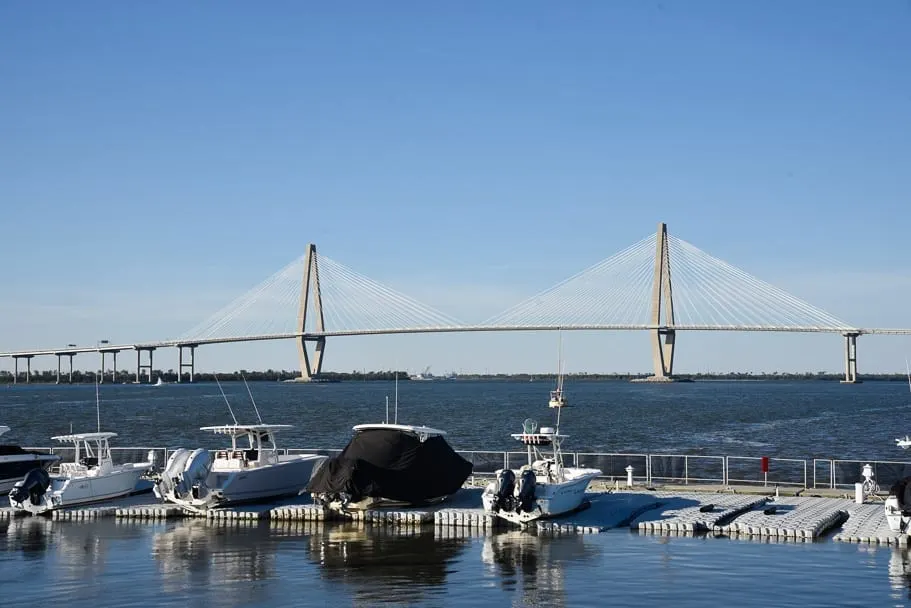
<point x="396" y="396"/>
<point x="258" y="417"/>
<point x="387" y="409"/>
<point x="908" y="369"/>
<point x="98" y="404"/>
<point x="228" y="403"/>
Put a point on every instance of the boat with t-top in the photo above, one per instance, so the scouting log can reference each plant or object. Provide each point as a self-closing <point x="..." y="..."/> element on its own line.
<point x="90" y="477"/>
<point x="545" y="486"/>
<point x="252" y="469"/>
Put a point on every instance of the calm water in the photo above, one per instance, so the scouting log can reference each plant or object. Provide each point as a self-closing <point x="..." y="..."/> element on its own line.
<point x="786" y="419"/>
<point x="195" y="563"/>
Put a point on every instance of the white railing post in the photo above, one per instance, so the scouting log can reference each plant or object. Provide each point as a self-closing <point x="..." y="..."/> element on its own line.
<point x="686" y="470"/>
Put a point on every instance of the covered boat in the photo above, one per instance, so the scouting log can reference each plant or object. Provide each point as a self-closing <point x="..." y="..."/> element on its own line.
<point x="390" y="464"/>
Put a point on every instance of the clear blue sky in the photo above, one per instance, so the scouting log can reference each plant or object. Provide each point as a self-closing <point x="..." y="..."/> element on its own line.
<point x="156" y="159"/>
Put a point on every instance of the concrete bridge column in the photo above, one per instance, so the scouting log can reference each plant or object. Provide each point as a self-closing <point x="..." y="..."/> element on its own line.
<point x="101" y="375"/>
<point x="192" y="363"/>
<point x="28" y="368"/>
<point x="71" y="366"/>
<point x="139" y="364"/>
<point x="59" y="359"/>
<point x="114" y="367"/>
<point x="851" y="358"/>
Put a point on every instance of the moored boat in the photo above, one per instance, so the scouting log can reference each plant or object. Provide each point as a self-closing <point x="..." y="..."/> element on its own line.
<point x="198" y="480"/>
<point x="91" y="477"/>
<point x="390" y="465"/>
<point x="542" y="488"/>
<point x="16" y="462"/>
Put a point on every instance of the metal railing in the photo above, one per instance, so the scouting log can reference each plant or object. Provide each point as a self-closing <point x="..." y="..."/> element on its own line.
<point x="648" y="469"/>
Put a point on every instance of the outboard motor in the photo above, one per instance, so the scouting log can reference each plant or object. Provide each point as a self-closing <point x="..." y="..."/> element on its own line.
<point x="505" y="485"/>
<point x="898" y="505"/>
<point x="172" y="472"/>
<point x="195" y="472"/>
<point x="33" y="486"/>
<point x="525" y="491"/>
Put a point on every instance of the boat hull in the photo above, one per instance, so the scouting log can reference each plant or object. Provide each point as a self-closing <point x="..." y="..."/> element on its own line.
<point x="288" y="477"/>
<point x="75" y="491"/>
<point x="550" y="499"/>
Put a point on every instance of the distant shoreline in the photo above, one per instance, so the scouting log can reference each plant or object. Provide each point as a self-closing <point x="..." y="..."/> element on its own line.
<point x="170" y="376"/>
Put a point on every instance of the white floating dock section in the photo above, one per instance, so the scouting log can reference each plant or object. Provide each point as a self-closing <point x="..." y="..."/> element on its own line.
<point x="467" y="518"/>
<point x="88" y="514"/>
<point x="150" y="512"/>
<point x="795" y="517"/>
<point x="695" y="512"/>
<point x="6" y="513"/>
<point x="867" y="524"/>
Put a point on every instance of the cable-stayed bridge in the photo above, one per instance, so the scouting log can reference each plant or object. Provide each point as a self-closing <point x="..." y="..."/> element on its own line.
<point x="661" y="284"/>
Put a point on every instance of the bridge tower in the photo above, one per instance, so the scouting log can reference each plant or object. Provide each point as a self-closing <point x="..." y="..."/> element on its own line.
<point x="310" y="279"/>
<point x="663" y="335"/>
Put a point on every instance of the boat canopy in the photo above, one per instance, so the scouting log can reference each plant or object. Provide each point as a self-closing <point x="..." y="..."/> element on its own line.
<point x="245" y="429"/>
<point x="383" y="462"/>
<point x="84" y="437"/>
<point x="424" y="431"/>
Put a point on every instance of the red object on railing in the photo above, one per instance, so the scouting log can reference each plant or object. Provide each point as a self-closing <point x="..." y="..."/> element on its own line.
<point x="765" y="464"/>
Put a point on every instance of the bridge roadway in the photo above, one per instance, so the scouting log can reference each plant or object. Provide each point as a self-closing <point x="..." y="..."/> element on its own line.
<point x="111" y="348"/>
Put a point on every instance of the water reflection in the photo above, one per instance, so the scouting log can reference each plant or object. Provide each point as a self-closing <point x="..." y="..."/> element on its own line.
<point x="537" y="564"/>
<point x="198" y="552"/>
<point x="900" y="571"/>
<point x="386" y="564"/>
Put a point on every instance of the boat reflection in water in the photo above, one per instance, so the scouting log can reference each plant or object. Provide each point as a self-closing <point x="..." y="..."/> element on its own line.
<point x="387" y="564"/>
<point x="535" y="564"/>
<point x="80" y="553"/>
<point x="900" y="573"/>
<point x="199" y="554"/>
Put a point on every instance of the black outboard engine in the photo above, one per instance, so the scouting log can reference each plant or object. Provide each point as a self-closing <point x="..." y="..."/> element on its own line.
<point x="33" y="486"/>
<point x="502" y="497"/>
<point x="901" y="490"/>
<point x="525" y="491"/>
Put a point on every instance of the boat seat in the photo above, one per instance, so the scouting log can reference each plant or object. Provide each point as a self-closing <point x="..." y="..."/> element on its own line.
<point x="88" y="461"/>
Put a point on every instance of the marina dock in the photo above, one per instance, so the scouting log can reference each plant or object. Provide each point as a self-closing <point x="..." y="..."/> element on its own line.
<point x="756" y="515"/>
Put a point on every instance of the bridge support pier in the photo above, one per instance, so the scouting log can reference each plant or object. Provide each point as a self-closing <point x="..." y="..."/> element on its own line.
<point x="851" y="358"/>
<point x="114" y="366"/>
<point x="60" y="357"/>
<point x="192" y="363"/>
<point x="28" y="368"/>
<point x="308" y="370"/>
<point x="140" y="366"/>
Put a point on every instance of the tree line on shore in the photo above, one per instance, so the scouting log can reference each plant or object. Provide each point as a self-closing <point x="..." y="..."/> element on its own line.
<point x="170" y="375"/>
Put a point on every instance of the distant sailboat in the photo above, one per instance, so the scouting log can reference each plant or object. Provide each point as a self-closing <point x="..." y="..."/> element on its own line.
<point x="159" y="382"/>
<point x="557" y="398"/>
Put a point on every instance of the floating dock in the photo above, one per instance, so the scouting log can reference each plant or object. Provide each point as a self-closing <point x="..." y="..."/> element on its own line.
<point x="791" y="517"/>
<point x="867" y="524"/>
<point x="755" y="517"/>
<point x="695" y="512"/>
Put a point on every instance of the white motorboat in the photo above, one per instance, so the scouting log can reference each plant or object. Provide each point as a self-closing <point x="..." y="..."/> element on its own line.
<point x="16" y="462"/>
<point x="91" y="477"/>
<point x="542" y="488"/>
<point x="257" y="471"/>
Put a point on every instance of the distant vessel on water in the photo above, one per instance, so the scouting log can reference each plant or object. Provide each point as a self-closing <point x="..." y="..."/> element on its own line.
<point x="427" y="376"/>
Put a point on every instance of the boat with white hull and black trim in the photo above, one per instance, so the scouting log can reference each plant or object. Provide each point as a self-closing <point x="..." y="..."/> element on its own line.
<point x="387" y="465"/>
<point x="91" y="477"/>
<point x="542" y="488"/>
<point x="16" y="462"/>
<point x="251" y="470"/>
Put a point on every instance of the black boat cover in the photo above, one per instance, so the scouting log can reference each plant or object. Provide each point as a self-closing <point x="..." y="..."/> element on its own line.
<point x="392" y="464"/>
